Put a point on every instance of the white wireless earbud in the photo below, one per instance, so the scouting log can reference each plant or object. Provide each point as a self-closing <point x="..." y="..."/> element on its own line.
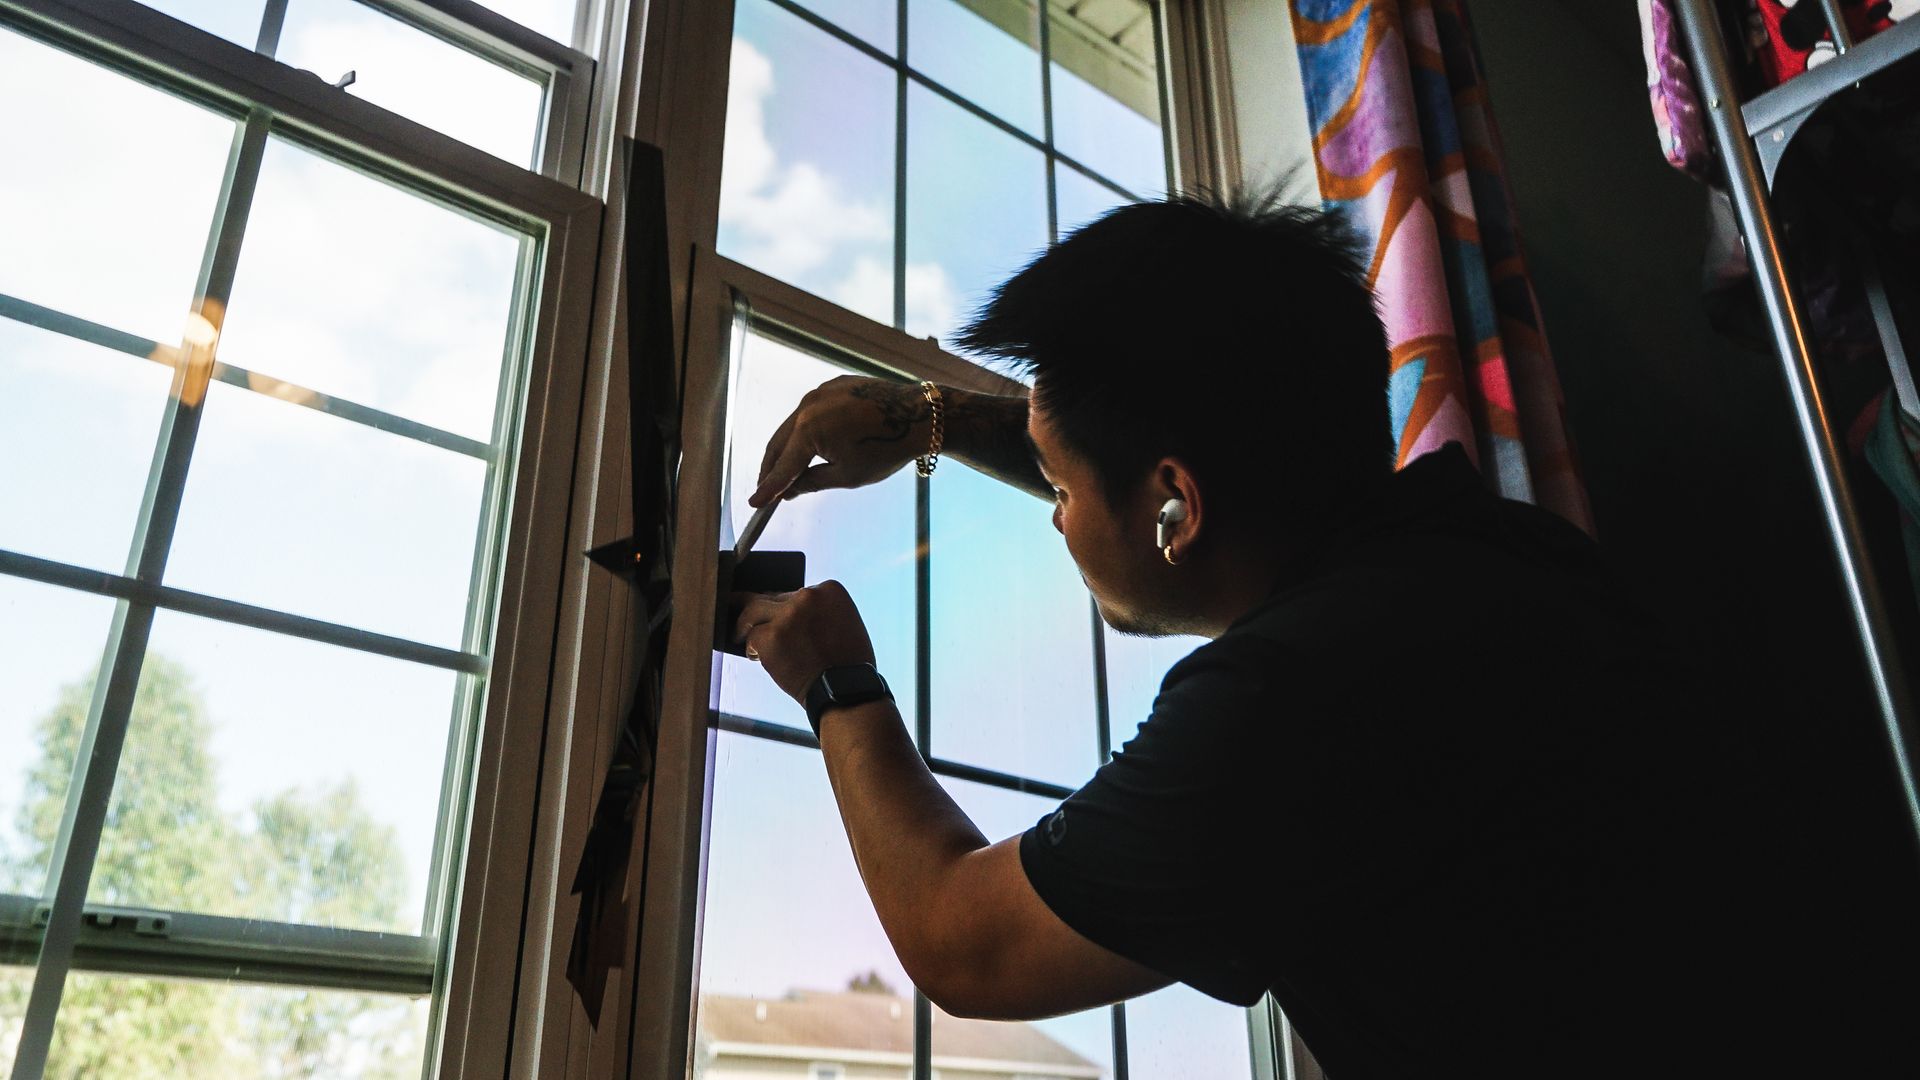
<point x="1172" y="512"/>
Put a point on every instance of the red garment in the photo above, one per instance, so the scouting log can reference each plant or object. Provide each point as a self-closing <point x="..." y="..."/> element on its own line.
<point x="1774" y="28"/>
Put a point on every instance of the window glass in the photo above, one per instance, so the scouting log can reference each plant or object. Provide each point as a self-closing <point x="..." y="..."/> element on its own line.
<point x="236" y="20"/>
<point x="1106" y="94"/>
<point x="1178" y="1032"/>
<point x="122" y="181"/>
<point x="1070" y="1045"/>
<point x="210" y="812"/>
<point x="107" y="1025"/>
<point x="792" y="955"/>
<point x="976" y="210"/>
<point x="245" y="787"/>
<point x="875" y="22"/>
<point x="809" y="196"/>
<point x="1079" y="199"/>
<point x="50" y="645"/>
<point x="553" y="18"/>
<point x="986" y="53"/>
<point x="862" y="538"/>
<point x="289" y="508"/>
<point x="417" y="75"/>
<point x="1135" y="668"/>
<point x="77" y="430"/>
<point x="806" y="192"/>
<point x="354" y="288"/>
<point x="1012" y="663"/>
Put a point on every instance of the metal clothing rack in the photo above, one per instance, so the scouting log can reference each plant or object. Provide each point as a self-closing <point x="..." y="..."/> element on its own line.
<point x="1752" y="137"/>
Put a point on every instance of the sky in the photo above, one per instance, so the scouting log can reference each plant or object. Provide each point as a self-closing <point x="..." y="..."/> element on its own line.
<point x="356" y="289"/>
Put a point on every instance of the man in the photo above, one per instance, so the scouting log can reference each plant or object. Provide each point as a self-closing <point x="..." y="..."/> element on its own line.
<point x="1433" y="782"/>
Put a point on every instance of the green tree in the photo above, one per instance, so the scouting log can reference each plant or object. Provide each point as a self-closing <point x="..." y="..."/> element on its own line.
<point x="297" y="857"/>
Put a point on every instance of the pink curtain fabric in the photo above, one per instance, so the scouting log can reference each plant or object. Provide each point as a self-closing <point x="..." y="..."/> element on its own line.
<point x="1404" y="147"/>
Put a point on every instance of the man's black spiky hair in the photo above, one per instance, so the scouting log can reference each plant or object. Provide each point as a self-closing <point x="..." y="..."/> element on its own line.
<point x="1238" y="333"/>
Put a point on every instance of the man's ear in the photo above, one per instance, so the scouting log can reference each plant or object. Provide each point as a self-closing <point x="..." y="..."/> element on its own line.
<point x="1173" y="479"/>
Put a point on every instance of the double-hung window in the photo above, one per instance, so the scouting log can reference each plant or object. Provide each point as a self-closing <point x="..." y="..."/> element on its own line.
<point x="884" y="165"/>
<point x="289" y="368"/>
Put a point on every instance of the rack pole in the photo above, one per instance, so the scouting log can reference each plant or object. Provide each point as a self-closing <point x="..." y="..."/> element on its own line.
<point x="1787" y="321"/>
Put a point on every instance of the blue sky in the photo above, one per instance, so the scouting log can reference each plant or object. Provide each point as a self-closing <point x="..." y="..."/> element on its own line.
<point x="358" y="290"/>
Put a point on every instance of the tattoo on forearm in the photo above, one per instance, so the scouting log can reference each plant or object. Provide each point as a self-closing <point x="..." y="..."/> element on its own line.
<point x="990" y="433"/>
<point x="901" y="407"/>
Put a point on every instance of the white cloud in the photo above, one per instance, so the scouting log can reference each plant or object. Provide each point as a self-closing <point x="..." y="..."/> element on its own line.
<point x="792" y="217"/>
<point x="794" y="221"/>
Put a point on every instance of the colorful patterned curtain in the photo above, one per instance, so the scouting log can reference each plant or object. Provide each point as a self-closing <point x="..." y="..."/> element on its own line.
<point x="1404" y="146"/>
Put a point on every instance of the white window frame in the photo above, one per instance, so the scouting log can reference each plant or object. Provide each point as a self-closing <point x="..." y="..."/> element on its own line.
<point x="471" y="966"/>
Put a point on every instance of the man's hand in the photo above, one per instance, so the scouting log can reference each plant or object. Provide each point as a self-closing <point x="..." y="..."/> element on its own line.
<point x="798" y="635"/>
<point x="865" y="429"/>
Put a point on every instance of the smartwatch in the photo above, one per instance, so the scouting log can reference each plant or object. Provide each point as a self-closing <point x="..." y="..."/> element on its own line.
<point x="836" y="687"/>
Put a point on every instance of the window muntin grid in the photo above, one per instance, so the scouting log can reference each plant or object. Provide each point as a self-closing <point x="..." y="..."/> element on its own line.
<point x="500" y="79"/>
<point x="213" y="939"/>
<point x="804" y="201"/>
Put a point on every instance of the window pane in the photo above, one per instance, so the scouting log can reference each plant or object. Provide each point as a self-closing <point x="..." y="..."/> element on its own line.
<point x="212" y="814"/>
<point x="792" y="954"/>
<point x="292" y="509"/>
<point x="50" y="645"/>
<point x="358" y="289"/>
<point x="553" y="18"/>
<point x="122" y="181"/>
<point x="417" y="75"/>
<point x="807" y="190"/>
<point x="1079" y="200"/>
<point x="976" y="210"/>
<point x="863" y="538"/>
<point x="236" y="20"/>
<point x="122" y="1026"/>
<point x="1106" y="94"/>
<point x="16" y="983"/>
<point x="1179" y="1032"/>
<point x="1064" y="1046"/>
<point x="77" y="430"/>
<point x="986" y="53"/>
<point x="1012" y="659"/>
<point x="875" y="22"/>
<point x="1135" y="668"/>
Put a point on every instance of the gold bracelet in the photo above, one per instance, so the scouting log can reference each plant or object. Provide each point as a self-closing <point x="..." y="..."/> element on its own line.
<point x="938" y="402"/>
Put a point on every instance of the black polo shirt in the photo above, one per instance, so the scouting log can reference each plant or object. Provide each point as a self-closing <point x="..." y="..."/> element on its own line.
<point x="1445" y="795"/>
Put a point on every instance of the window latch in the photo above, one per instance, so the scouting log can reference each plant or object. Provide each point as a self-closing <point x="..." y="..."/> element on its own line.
<point x="101" y="918"/>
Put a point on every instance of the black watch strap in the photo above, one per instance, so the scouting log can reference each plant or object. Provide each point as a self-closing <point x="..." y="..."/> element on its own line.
<point x="836" y="687"/>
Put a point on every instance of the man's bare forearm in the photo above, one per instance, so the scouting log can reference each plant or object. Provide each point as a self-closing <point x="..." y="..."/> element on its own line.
<point x="990" y="434"/>
<point x="987" y="431"/>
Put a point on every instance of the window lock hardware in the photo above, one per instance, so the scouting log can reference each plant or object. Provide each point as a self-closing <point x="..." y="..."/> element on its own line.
<point x="99" y="917"/>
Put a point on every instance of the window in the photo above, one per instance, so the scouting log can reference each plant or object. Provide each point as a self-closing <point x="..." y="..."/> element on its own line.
<point x="902" y="159"/>
<point x="268" y="403"/>
<point x="897" y="160"/>
<point x="500" y="79"/>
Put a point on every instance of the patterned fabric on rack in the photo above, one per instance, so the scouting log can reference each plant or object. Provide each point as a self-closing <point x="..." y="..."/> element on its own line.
<point x="1783" y="39"/>
<point x="1676" y="105"/>
<point x="1404" y="146"/>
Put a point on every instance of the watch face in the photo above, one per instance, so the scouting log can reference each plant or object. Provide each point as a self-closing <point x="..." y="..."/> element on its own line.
<point x="846" y="682"/>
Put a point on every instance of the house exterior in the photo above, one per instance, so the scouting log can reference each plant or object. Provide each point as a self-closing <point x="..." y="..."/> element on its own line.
<point x="853" y="1035"/>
